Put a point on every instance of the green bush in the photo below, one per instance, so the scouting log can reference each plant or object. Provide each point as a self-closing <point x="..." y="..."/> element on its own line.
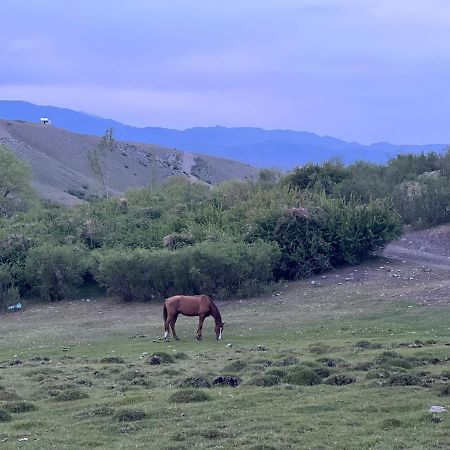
<point x="325" y="232"/>
<point x="52" y="271"/>
<point x="9" y="293"/>
<point x="218" y="269"/>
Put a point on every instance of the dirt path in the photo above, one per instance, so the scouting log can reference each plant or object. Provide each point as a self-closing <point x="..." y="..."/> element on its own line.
<point x="427" y="248"/>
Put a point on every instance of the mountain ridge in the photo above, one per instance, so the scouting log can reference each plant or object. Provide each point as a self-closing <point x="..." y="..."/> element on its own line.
<point x="255" y="146"/>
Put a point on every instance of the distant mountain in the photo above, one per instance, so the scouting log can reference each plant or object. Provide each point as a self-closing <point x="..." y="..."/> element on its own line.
<point x="262" y="148"/>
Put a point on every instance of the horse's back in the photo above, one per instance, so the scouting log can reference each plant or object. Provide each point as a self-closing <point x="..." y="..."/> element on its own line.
<point x="189" y="304"/>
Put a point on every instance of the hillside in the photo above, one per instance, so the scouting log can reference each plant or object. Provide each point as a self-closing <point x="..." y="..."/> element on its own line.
<point x="62" y="173"/>
<point x="262" y="148"/>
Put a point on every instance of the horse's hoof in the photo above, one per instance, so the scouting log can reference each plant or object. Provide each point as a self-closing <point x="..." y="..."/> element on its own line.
<point x="199" y="338"/>
<point x="177" y="338"/>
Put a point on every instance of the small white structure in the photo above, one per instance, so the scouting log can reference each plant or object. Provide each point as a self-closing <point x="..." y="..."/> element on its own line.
<point x="45" y="121"/>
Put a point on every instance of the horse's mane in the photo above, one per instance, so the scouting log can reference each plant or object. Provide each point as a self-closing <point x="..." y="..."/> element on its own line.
<point x="215" y="311"/>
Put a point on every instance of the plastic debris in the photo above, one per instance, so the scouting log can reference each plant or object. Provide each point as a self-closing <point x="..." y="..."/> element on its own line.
<point x="437" y="409"/>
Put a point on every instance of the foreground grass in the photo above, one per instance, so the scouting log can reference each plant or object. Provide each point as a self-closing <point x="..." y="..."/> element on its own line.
<point x="81" y="378"/>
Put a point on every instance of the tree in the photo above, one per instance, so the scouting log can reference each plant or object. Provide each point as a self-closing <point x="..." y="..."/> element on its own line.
<point x="100" y="159"/>
<point x="16" y="191"/>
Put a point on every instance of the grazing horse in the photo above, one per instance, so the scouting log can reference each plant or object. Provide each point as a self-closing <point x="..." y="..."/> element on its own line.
<point x="191" y="305"/>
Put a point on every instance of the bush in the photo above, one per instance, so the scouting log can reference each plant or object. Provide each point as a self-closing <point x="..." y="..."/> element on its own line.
<point x="9" y="293"/>
<point x="53" y="271"/>
<point x="220" y="269"/>
<point x="325" y="232"/>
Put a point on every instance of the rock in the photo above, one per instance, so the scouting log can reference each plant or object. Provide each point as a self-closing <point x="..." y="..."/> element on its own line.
<point x="260" y="348"/>
<point x="229" y="345"/>
<point x="437" y="409"/>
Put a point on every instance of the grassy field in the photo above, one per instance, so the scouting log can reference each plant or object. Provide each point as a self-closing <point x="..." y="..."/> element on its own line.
<point x="353" y="360"/>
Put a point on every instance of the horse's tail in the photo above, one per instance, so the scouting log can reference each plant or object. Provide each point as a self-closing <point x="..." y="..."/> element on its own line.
<point x="165" y="312"/>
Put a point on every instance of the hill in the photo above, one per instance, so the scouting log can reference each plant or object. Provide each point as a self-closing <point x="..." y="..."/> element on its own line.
<point x="62" y="173"/>
<point x="255" y="146"/>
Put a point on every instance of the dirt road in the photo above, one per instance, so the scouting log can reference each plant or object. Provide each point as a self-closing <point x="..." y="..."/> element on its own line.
<point x="427" y="248"/>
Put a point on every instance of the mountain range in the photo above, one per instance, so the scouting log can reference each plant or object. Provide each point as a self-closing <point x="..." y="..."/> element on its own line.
<point x="283" y="149"/>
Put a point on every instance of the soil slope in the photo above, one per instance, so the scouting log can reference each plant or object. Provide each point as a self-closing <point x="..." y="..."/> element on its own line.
<point x="62" y="173"/>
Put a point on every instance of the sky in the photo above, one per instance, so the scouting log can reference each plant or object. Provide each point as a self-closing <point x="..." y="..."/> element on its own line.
<point x="363" y="70"/>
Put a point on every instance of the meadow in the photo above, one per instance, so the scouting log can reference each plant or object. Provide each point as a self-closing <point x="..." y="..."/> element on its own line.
<point x="352" y="359"/>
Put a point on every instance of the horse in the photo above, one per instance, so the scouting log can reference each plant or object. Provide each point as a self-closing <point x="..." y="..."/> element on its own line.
<point x="191" y="305"/>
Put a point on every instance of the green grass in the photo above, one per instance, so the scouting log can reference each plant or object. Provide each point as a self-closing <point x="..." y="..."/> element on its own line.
<point x="85" y="381"/>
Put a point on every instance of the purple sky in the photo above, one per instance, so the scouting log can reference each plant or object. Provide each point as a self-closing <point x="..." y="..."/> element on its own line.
<point x="365" y="70"/>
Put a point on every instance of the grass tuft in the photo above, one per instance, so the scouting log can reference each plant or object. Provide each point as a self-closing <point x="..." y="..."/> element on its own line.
<point x="20" y="407"/>
<point x="235" y="366"/>
<point x="112" y="360"/>
<point x="129" y="415"/>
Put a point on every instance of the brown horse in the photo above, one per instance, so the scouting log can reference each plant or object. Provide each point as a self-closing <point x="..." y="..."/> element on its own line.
<point x="191" y="305"/>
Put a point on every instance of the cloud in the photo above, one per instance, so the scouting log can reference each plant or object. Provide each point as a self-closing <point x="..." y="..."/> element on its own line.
<point x="358" y="69"/>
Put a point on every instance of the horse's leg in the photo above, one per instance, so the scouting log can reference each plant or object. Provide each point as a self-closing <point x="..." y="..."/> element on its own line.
<point x="201" y="319"/>
<point x="172" y="324"/>
<point x="167" y="329"/>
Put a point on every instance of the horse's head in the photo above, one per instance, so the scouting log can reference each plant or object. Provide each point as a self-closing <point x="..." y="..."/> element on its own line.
<point x="219" y="330"/>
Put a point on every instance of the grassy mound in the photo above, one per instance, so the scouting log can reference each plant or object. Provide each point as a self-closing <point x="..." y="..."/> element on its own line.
<point x="235" y="366"/>
<point x="340" y="380"/>
<point x="112" y="360"/>
<point x="129" y="415"/>
<point x="5" y="416"/>
<point x="302" y="376"/>
<point x="196" y="381"/>
<point x="189" y="396"/>
<point x="20" y="407"/>
<point x="404" y="379"/>
<point x="265" y="381"/>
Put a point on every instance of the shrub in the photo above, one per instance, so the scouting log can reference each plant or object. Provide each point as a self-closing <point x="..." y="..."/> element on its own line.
<point x="221" y="269"/>
<point x="53" y="270"/>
